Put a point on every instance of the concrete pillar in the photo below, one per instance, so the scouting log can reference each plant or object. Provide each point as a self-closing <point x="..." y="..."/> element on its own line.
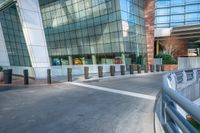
<point x="94" y="60"/>
<point x="157" y="47"/>
<point x="70" y="60"/>
<point x="31" y="20"/>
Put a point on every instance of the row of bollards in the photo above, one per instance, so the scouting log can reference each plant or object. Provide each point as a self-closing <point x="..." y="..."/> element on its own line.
<point x="132" y="68"/>
<point x="7" y="76"/>
<point x="138" y="68"/>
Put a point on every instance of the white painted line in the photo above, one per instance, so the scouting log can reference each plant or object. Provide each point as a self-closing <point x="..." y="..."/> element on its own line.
<point x="132" y="94"/>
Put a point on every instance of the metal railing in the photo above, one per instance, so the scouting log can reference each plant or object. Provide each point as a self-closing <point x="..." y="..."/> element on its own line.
<point x="175" y="106"/>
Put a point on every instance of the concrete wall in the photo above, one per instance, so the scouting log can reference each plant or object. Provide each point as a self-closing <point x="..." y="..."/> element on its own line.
<point x="162" y="32"/>
<point x="188" y="62"/>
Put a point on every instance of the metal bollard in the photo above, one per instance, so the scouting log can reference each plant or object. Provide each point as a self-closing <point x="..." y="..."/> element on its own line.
<point x="122" y="67"/>
<point x="152" y="67"/>
<point x="131" y="69"/>
<point x="86" y="72"/>
<point x="112" y="70"/>
<point x="69" y="74"/>
<point x="146" y="68"/>
<point x="158" y="68"/>
<point x="162" y="68"/>
<point x="100" y="71"/>
<point x="7" y="76"/>
<point x="26" y="79"/>
<point x="139" y="68"/>
<point x="49" y="76"/>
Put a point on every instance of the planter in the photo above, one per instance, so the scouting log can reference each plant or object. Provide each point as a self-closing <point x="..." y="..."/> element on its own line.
<point x="170" y="67"/>
<point x="1" y="76"/>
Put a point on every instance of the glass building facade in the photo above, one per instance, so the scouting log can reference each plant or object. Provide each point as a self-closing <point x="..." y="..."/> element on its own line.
<point x="14" y="37"/>
<point x="172" y="13"/>
<point x="94" y="31"/>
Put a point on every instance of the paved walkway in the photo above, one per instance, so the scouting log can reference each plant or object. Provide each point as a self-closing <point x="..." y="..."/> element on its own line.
<point x="121" y="105"/>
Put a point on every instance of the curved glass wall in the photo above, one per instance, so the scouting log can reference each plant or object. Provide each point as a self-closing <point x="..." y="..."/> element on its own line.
<point x="94" y="31"/>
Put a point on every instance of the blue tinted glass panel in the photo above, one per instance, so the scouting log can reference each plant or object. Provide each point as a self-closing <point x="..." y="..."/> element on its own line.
<point x="177" y="18"/>
<point x="163" y="19"/>
<point x="177" y="10"/>
<point x="162" y="3"/>
<point x="164" y="11"/>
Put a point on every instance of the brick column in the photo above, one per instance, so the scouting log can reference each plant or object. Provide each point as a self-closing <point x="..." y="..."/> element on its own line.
<point x="149" y="24"/>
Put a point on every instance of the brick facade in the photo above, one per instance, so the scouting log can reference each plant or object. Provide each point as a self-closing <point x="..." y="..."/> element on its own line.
<point x="149" y="18"/>
<point x="182" y="49"/>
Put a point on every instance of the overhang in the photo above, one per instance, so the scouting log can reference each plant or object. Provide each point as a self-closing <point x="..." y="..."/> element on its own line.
<point x="189" y="32"/>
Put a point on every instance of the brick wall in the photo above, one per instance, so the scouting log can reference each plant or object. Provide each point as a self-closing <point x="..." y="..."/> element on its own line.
<point x="182" y="49"/>
<point x="170" y="67"/>
<point x="149" y="18"/>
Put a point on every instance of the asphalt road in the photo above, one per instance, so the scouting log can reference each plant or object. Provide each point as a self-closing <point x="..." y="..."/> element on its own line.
<point x="110" y="106"/>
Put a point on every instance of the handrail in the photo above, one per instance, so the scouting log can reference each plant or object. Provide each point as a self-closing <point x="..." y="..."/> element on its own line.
<point x="173" y="101"/>
<point x="186" y="104"/>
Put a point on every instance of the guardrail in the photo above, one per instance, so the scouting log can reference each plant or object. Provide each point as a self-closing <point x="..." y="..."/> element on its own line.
<point x="180" y="89"/>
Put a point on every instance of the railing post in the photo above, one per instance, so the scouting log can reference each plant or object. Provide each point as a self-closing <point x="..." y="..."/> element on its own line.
<point x="26" y="79"/>
<point x="69" y="74"/>
<point x="139" y="68"/>
<point x="122" y="67"/>
<point x="100" y="71"/>
<point x="86" y="72"/>
<point x="49" y="76"/>
<point x="131" y="69"/>
<point x="112" y="70"/>
<point x="173" y="100"/>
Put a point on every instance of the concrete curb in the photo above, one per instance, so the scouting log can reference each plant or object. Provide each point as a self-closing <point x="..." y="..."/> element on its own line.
<point x="118" y="77"/>
<point x="95" y="79"/>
